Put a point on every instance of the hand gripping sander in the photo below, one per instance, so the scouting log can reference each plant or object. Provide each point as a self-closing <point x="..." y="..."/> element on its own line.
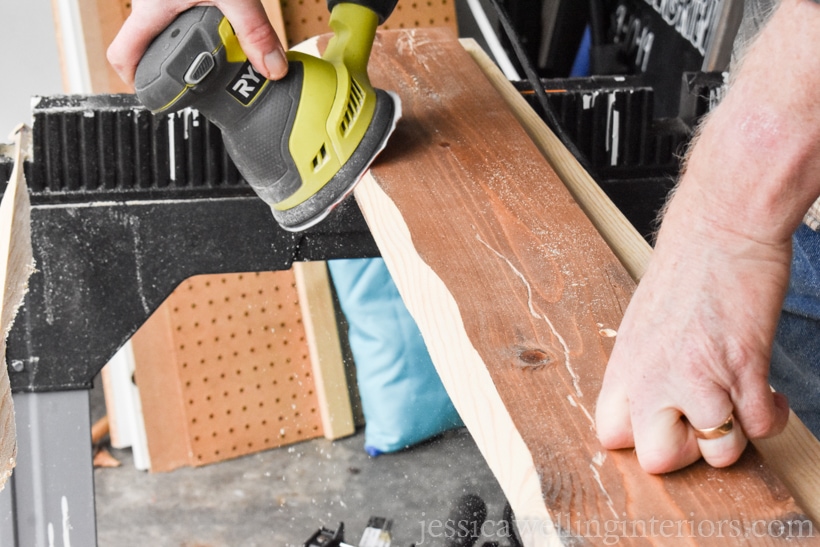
<point x="302" y="142"/>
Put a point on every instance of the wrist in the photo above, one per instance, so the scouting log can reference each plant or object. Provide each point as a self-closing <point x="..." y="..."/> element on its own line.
<point x="755" y="168"/>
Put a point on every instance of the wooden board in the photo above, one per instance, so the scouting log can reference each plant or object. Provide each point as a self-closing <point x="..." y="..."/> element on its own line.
<point x="16" y="265"/>
<point x="794" y="453"/>
<point x="322" y="333"/>
<point x="515" y="292"/>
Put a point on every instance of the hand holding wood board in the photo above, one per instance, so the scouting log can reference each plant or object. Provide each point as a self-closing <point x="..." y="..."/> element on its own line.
<point x="517" y="295"/>
<point x="16" y="265"/>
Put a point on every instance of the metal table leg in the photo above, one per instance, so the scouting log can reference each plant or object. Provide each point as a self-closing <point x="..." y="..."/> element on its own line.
<point x="53" y="494"/>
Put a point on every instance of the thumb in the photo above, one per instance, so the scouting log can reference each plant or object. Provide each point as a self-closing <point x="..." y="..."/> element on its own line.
<point x="133" y="39"/>
<point x="256" y="36"/>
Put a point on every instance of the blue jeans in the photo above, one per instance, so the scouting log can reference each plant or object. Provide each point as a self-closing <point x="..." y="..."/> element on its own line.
<point x="795" y="368"/>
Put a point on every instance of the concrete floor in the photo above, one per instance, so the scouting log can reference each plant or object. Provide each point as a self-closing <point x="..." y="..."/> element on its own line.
<point x="281" y="496"/>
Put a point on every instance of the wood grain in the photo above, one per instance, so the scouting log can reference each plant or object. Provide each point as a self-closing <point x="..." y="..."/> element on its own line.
<point x="327" y="363"/>
<point x="794" y="454"/>
<point x="16" y="265"/>
<point x="514" y="290"/>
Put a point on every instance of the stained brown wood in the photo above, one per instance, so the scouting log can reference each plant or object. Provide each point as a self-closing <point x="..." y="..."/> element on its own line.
<point x="16" y="265"/>
<point x="514" y="291"/>
<point x="793" y="454"/>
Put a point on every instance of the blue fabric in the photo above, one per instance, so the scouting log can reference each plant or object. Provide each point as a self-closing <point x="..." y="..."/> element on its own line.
<point x="796" y="353"/>
<point x="403" y="399"/>
<point x="581" y="65"/>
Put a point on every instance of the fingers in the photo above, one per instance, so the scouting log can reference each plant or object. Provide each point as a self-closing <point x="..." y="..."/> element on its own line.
<point x="148" y="18"/>
<point x="664" y="442"/>
<point x="666" y="437"/>
<point x="136" y="34"/>
<point x="762" y="412"/>
<point x="256" y="36"/>
<point x="612" y="419"/>
<point x="718" y="432"/>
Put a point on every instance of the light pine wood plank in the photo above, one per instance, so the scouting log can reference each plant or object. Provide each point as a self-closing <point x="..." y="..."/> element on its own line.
<point x="16" y="265"/>
<point x="794" y="454"/>
<point x="534" y="288"/>
<point x="321" y="330"/>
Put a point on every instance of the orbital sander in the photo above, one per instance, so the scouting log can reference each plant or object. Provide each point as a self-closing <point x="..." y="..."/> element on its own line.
<point x="302" y="142"/>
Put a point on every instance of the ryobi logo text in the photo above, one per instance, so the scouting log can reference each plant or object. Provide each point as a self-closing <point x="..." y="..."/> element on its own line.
<point x="247" y="84"/>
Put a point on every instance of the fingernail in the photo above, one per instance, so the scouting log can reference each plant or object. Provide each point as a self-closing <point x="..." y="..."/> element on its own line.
<point x="276" y="63"/>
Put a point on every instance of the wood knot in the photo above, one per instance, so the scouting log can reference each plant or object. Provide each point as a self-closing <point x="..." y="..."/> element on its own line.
<point x="444" y="144"/>
<point x="534" y="358"/>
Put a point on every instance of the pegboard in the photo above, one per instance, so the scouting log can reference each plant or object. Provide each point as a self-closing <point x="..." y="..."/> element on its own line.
<point x="226" y="358"/>
<point x="308" y="18"/>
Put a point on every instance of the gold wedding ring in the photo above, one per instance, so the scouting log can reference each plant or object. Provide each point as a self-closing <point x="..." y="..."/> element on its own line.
<point x="716" y="432"/>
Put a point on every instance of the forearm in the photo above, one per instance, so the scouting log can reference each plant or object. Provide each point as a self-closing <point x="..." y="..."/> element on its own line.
<point x="755" y="169"/>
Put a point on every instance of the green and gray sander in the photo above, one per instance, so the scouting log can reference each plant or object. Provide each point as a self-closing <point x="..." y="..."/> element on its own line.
<point x="302" y="142"/>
